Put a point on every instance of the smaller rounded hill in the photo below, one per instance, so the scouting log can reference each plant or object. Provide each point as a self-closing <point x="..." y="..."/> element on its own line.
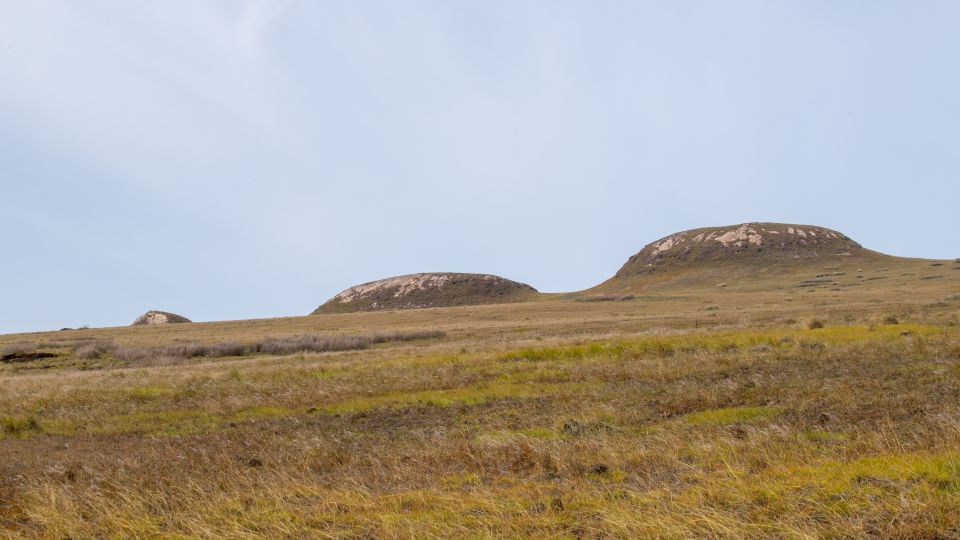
<point x="744" y="243"/>
<point x="425" y="290"/>
<point x="159" y="317"/>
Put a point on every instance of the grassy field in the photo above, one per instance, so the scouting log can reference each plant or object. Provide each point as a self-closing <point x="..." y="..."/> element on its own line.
<point x="810" y="404"/>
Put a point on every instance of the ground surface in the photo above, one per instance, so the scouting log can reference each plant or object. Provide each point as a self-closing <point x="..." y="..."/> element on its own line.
<point x="689" y="410"/>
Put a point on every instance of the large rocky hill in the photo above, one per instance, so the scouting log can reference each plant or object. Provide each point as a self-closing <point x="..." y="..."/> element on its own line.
<point x="745" y="258"/>
<point x="745" y="243"/>
<point x="159" y="317"/>
<point x="434" y="289"/>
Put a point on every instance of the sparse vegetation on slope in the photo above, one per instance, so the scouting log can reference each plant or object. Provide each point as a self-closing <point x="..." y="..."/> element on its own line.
<point x="812" y="399"/>
<point x="630" y="437"/>
<point x="646" y="418"/>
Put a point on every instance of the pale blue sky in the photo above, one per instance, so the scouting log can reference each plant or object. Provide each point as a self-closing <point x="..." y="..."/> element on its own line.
<point x="238" y="159"/>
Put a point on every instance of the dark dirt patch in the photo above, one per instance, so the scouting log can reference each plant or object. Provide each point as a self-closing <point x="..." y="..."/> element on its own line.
<point x="25" y="356"/>
<point x="606" y="298"/>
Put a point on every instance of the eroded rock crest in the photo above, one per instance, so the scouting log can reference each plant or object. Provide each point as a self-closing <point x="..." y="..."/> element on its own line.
<point x="159" y="317"/>
<point x="740" y="242"/>
<point x="430" y="289"/>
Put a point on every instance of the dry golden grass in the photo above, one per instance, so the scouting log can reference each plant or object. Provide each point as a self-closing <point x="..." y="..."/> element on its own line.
<point x="684" y="412"/>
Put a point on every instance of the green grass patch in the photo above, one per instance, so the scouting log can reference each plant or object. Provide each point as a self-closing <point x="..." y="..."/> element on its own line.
<point x="259" y="413"/>
<point x="175" y="422"/>
<point x="472" y="395"/>
<point x="19" y="426"/>
<point x="722" y="342"/>
<point x="147" y="393"/>
<point x="940" y="471"/>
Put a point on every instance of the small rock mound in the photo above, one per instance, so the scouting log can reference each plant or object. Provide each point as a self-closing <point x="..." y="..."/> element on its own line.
<point x="435" y="289"/>
<point x="748" y="241"/>
<point x="159" y="317"/>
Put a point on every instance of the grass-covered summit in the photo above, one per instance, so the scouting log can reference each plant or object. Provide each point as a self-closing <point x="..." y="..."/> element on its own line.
<point x="434" y="289"/>
<point x="747" y="242"/>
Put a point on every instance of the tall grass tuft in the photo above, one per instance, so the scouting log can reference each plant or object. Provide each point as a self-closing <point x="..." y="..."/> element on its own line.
<point x="97" y="349"/>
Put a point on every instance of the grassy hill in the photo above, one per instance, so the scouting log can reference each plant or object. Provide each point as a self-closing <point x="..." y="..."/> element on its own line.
<point x="434" y="289"/>
<point x="750" y="245"/>
<point x="752" y="258"/>
<point x="768" y="258"/>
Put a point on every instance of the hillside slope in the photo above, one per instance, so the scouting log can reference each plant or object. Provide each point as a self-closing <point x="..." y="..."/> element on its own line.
<point x="762" y="257"/>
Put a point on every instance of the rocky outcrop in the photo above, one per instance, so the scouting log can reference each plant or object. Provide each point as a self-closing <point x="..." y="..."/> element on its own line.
<point x="745" y="242"/>
<point x="434" y="289"/>
<point x="159" y="317"/>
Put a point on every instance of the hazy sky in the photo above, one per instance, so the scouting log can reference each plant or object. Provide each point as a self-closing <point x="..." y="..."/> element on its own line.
<point x="236" y="159"/>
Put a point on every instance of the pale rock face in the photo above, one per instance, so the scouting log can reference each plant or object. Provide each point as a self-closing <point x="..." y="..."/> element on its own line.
<point x="159" y="317"/>
<point x="741" y="234"/>
<point x="664" y="245"/>
<point x="155" y="318"/>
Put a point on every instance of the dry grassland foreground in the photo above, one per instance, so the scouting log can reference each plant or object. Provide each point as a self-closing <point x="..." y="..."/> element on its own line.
<point x="714" y="414"/>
